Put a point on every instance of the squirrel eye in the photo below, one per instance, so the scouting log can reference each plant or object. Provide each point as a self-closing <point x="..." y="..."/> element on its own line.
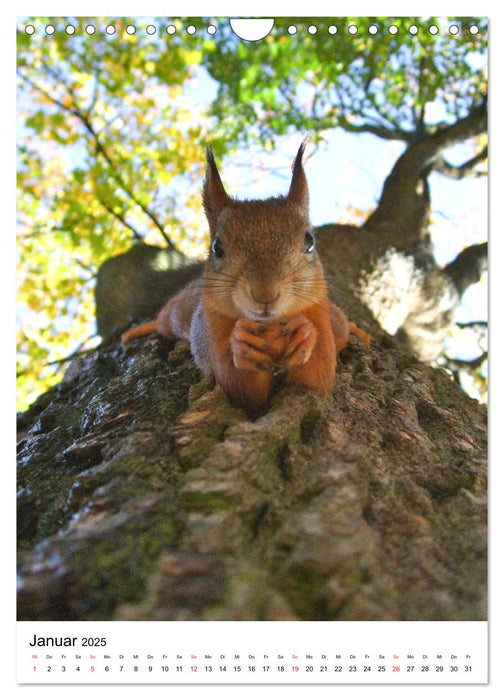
<point x="218" y="248"/>
<point x="309" y="242"/>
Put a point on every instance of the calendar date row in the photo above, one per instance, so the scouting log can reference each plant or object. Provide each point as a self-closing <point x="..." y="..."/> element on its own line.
<point x="282" y="668"/>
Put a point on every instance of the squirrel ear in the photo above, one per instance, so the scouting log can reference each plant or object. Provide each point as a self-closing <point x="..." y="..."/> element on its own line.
<point x="215" y="197"/>
<point x="298" y="192"/>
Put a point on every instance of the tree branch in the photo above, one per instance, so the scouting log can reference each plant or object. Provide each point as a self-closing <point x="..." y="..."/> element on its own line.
<point x="472" y="324"/>
<point x="392" y="133"/>
<point x="405" y="198"/>
<point x="467" y="169"/>
<point x="468" y="266"/>
<point x="136" y="235"/>
<point x="470" y="365"/>
<point x="100" y="149"/>
<point x="421" y="156"/>
<point x="79" y="353"/>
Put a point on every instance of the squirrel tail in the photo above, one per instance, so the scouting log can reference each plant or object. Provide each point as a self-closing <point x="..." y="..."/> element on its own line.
<point x="137" y="332"/>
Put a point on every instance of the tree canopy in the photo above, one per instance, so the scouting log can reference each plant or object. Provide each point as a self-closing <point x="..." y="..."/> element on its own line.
<point x="113" y="115"/>
<point x="390" y="77"/>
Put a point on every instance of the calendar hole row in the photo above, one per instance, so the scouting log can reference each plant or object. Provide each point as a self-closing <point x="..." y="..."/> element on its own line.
<point x="211" y="29"/>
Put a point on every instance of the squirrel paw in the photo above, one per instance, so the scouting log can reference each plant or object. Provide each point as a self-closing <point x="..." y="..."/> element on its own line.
<point x="256" y="346"/>
<point x="302" y="336"/>
<point x="363" y="335"/>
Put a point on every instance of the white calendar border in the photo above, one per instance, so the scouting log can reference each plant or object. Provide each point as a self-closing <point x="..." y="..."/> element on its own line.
<point x="301" y="652"/>
<point x="226" y="8"/>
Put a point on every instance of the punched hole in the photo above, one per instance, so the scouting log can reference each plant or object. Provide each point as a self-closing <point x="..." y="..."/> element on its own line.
<point x="252" y="29"/>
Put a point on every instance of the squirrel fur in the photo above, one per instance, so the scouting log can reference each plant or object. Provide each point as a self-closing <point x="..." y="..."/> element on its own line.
<point x="261" y="307"/>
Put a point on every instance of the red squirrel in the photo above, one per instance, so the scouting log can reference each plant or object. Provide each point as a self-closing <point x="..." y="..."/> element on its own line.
<point x="261" y="307"/>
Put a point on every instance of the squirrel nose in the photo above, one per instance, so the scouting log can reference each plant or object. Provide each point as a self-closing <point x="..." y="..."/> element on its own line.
<point x="266" y="297"/>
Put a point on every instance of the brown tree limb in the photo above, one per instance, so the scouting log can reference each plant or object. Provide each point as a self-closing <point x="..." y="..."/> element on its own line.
<point x="468" y="266"/>
<point x="473" y="364"/>
<point x="423" y="155"/>
<point x="405" y="202"/>
<point x="467" y="169"/>
<point x="473" y="324"/>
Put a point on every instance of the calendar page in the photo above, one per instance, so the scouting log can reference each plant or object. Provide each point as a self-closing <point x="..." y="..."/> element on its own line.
<point x="252" y="350"/>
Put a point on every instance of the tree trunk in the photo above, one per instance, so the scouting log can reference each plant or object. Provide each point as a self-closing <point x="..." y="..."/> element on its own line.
<point x="143" y="494"/>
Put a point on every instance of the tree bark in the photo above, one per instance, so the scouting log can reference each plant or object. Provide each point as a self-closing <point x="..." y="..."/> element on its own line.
<point x="143" y="494"/>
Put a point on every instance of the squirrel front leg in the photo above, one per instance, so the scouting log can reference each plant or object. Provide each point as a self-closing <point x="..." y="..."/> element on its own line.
<point x="315" y="338"/>
<point x="342" y="328"/>
<point x="174" y="319"/>
<point x="241" y="361"/>
<point x="310" y="357"/>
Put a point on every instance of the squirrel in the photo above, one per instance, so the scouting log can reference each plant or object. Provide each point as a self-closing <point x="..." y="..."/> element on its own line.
<point x="261" y="307"/>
